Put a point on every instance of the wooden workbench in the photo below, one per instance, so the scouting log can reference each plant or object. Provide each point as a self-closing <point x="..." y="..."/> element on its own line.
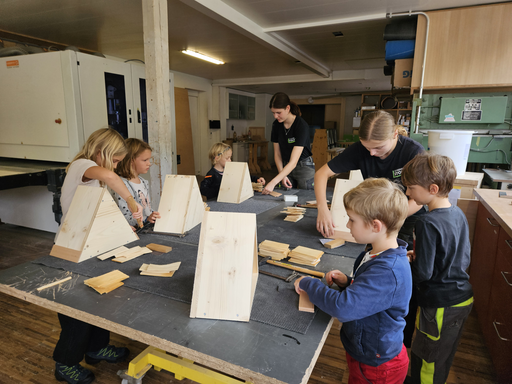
<point x="252" y="351"/>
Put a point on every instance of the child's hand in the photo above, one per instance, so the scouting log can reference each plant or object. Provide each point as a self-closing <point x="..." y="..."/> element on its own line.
<point x="297" y="288"/>
<point x="154" y="215"/>
<point x="138" y="214"/>
<point x="261" y="180"/>
<point x="337" y="277"/>
<point x="411" y="255"/>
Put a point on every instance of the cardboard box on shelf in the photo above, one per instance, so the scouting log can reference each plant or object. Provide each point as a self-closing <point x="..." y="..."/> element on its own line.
<point x="402" y="74"/>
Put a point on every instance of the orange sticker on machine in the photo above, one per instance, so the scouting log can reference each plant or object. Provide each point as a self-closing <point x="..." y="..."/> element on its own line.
<point x="12" y="63"/>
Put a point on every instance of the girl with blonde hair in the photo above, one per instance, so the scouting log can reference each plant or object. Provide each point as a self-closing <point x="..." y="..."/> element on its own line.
<point x="92" y="166"/>
<point x="137" y="162"/>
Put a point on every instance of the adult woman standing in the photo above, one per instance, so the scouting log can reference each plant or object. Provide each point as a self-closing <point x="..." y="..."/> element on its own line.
<point x="292" y="148"/>
<point x="382" y="151"/>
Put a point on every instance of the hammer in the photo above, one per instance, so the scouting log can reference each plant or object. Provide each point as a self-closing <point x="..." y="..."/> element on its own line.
<point x="294" y="275"/>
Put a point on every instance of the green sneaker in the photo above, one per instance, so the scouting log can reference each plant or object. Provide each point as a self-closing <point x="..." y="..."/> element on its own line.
<point x="110" y="354"/>
<point x="73" y="375"/>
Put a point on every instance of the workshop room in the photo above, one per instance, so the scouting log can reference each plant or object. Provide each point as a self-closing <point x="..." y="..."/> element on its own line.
<point x="234" y="191"/>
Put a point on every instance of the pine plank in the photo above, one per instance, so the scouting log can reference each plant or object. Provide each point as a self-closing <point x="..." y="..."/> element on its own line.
<point x="305" y="305"/>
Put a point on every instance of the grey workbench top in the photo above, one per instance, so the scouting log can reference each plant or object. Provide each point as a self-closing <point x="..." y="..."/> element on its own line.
<point x="251" y="351"/>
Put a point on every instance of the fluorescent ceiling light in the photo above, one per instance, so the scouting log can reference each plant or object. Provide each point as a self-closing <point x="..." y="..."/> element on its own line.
<point x="202" y="57"/>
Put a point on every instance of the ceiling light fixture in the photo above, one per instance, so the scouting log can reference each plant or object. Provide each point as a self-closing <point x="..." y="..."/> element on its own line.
<point x="202" y="57"/>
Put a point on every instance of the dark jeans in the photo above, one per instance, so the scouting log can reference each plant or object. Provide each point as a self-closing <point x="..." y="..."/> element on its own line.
<point x="77" y="338"/>
<point x="303" y="175"/>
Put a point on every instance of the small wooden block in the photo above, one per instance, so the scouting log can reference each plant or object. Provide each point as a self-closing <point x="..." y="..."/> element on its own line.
<point x="275" y="194"/>
<point x="293" y="218"/>
<point x="136" y="252"/>
<point x="159" y="248"/>
<point x="334" y="243"/>
<point x="108" y="288"/>
<point x="106" y="279"/>
<point x="305" y="305"/>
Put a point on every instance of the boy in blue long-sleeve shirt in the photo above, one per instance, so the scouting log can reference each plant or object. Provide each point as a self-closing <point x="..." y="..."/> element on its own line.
<point x="440" y="258"/>
<point x="373" y="302"/>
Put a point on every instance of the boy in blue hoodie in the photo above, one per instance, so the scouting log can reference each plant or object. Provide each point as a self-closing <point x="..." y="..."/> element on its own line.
<point x="374" y="300"/>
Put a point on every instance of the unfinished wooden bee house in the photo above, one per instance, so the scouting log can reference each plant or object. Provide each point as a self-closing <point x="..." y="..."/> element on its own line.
<point x="236" y="185"/>
<point x="227" y="267"/>
<point x="181" y="206"/>
<point x="338" y="212"/>
<point x="93" y="225"/>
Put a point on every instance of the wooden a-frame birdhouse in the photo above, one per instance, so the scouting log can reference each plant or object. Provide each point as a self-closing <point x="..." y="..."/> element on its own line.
<point x="93" y="225"/>
<point x="236" y="185"/>
<point x="227" y="267"/>
<point x="181" y="207"/>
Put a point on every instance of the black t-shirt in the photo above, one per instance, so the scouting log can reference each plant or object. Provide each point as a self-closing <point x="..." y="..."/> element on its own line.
<point x="442" y="257"/>
<point x="358" y="157"/>
<point x="297" y="135"/>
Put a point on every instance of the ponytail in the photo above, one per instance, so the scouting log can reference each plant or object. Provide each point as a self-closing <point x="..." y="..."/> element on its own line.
<point x="281" y="100"/>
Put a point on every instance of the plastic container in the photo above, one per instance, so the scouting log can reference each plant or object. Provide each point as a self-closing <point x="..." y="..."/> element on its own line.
<point x="454" y="144"/>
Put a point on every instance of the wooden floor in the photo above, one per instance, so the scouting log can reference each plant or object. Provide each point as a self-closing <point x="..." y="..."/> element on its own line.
<point x="29" y="334"/>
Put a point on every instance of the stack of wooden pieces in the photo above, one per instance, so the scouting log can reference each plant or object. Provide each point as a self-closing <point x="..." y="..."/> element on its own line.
<point x="277" y="251"/>
<point x="166" y="270"/>
<point x="258" y="187"/>
<point x="107" y="282"/>
<point x="131" y="254"/>
<point x="294" y="213"/>
<point x="306" y="256"/>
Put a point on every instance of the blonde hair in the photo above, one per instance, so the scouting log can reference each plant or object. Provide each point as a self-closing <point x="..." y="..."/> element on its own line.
<point x="427" y="169"/>
<point x="217" y="149"/>
<point x="378" y="199"/>
<point x="107" y="142"/>
<point x="135" y="148"/>
<point x="379" y="126"/>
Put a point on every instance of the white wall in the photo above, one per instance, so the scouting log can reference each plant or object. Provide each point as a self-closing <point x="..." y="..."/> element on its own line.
<point x="351" y="104"/>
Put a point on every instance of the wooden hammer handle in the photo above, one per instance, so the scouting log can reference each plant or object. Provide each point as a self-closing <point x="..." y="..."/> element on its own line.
<point x="298" y="269"/>
<point x="132" y="206"/>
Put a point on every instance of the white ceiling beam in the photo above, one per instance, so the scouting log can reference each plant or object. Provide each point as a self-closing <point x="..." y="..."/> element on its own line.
<point x="345" y="20"/>
<point x="223" y="13"/>
<point x="361" y="74"/>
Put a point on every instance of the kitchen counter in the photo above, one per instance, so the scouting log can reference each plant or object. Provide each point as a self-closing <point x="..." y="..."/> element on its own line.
<point x="500" y="208"/>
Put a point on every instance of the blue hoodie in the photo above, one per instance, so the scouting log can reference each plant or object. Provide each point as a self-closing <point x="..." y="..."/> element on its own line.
<point x="372" y="308"/>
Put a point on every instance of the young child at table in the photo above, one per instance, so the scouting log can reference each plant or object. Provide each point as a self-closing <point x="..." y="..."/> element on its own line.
<point x="136" y="163"/>
<point x="439" y="261"/>
<point x="219" y="155"/>
<point x="92" y="166"/>
<point x="374" y="300"/>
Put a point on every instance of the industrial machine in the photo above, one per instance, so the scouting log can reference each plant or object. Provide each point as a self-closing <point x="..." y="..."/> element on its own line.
<point x="488" y="115"/>
<point x="51" y="102"/>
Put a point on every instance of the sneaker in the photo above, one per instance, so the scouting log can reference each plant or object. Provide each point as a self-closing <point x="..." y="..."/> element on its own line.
<point x="75" y="374"/>
<point x="110" y="354"/>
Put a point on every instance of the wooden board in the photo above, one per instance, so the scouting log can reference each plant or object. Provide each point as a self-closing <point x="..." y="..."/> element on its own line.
<point x="114" y="252"/>
<point x="131" y="254"/>
<point x="319" y="148"/>
<point x="338" y="212"/>
<point x="184" y="139"/>
<point x="236" y="186"/>
<point x="93" y="225"/>
<point x="470" y="209"/>
<point x="181" y="207"/>
<point x="227" y="267"/>
<point x="356" y="175"/>
<point x="305" y="305"/>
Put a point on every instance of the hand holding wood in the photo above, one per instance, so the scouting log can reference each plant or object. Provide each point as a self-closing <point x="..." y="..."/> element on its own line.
<point x="135" y="209"/>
